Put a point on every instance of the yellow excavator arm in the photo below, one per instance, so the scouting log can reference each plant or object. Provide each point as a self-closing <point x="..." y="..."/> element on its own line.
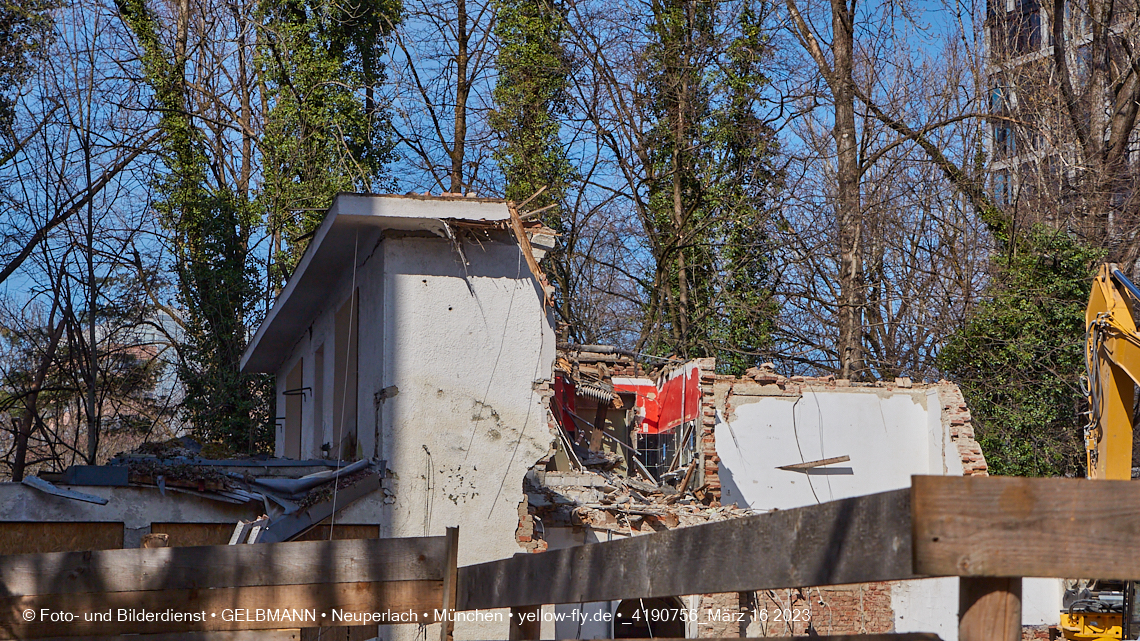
<point x="1112" y="353"/>
<point x="1106" y="610"/>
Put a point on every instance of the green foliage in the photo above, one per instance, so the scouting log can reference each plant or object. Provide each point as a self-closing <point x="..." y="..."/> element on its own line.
<point x="210" y="228"/>
<point x="1019" y="356"/>
<point x="317" y="63"/>
<point x="25" y="26"/>
<point x="529" y="97"/>
<point x="321" y="136"/>
<point x="713" y="161"/>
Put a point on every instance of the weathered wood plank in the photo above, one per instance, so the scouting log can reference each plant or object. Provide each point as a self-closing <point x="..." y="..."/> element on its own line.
<point x="42" y="537"/>
<point x="218" y="605"/>
<point x="216" y="635"/>
<point x="854" y="540"/>
<point x="989" y="609"/>
<point x="348" y="561"/>
<point x="999" y="526"/>
<point x="450" y="577"/>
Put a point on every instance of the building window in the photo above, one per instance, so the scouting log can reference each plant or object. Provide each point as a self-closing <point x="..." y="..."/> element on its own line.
<point x="294" y="405"/>
<point x="344" y="441"/>
<point x="1005" y="142"/>
<point x="998" y="99"/>
<point x="319" y="437"/>
<point x="1001" y="187"/>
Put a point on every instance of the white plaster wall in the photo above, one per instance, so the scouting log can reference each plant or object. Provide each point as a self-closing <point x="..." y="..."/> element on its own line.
<point x="465" y="348"/>
<point x="889" y="435"/>
<point x="886" y="434"/>
<point x="926" y="605"/>
<point x="1041" y="601"/>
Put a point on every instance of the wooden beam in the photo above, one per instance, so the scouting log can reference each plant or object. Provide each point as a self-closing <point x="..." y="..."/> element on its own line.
<point x="854" y="540"/>
<point x="217" y="605"/>
<point x="989" y="609"/>
<point x="451" y="570"/>
<point x="814" y="464"/>
<point x="43" y="537"/>
<point x="526" y="623"/>
<point x="999" y="526"/>
<point x="236" y="635"/>
<point x="230" y="566"/>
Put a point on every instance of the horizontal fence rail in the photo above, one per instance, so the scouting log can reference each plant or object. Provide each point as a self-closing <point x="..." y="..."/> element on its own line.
<point x="856" y="540"/>
<point x="1007" y="526"/>
<point x="989" y="531"/>
<point x="189" y="589"/>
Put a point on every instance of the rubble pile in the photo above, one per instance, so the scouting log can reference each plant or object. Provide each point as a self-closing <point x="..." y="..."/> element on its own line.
<point x="604" y="501"/>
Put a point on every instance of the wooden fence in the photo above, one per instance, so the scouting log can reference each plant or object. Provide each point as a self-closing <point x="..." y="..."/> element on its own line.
<point x="989" y="531"/>
<point x="183" y="590"/>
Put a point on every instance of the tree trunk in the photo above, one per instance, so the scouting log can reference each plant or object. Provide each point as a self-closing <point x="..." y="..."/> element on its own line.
<point x="462" y="89"/>
<point x="849" y="215"/>
<point x="23" y="435"/>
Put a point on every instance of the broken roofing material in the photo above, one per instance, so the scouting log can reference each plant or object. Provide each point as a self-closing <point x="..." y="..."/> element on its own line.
<point x="603" y="501"/>
<point x="296" y="495"/>
<point x="614" y="417"/>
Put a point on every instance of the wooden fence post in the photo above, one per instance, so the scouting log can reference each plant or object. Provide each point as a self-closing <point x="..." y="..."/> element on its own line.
<point x="450" y="575"/>
<point x="529" y="629"/>
<point x="989" y="609"/>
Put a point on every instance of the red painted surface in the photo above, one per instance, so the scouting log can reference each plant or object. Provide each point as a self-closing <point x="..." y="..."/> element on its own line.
<point x="660" y="408"/>
<point x="679" y="398"/>
<point x="564" y="402"/>
<point x="663" y="407"/>
<point x="648" y="412"/>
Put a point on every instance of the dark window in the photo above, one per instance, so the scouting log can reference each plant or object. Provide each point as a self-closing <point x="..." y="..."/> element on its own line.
<point x="1001" y="187"/>
<point x="997" y="100"/>
<point x="1004" y="141"/>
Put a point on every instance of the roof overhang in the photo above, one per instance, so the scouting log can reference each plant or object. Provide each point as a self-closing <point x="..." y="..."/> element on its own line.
<point x="352" y="227"/>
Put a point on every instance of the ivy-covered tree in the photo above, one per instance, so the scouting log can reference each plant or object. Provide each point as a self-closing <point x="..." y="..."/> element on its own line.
<point x="210" y="230"/>
<point x="1020" y="354"/>
<point x="530" y="98"/>
<point x="25" y="25"/>
<point x="711" y="182"/>
<point x="324" y="132"/>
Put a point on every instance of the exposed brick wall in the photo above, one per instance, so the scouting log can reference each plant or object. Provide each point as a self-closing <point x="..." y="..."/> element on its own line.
<point x="711" y="462"/>
<point x="727" y="627"/>
<point x="524" y="534"/>
<point x="846" y="609"/>
<point x="957" y="416"/>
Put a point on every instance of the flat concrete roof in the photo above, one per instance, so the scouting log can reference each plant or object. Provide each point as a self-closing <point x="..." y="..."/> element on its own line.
<point x="353" y="225"/>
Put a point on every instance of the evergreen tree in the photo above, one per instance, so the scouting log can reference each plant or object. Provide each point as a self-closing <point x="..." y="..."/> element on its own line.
<point x="324" y="133"/>
<point x="1020" y="354"/>
<point x="210" y="229"/>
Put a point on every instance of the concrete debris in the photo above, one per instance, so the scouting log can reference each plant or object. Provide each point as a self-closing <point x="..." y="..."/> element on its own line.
<point x="605" y="501"/>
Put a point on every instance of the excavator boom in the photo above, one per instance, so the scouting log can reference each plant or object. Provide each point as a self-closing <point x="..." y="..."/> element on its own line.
<point x="1112" y="353"/>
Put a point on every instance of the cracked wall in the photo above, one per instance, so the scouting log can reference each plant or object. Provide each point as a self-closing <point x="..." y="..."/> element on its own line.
<point x="454" y="361"/>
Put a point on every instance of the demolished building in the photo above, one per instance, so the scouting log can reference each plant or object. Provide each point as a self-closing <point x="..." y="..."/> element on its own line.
<point x="756" y="443"/>
<point x="414" y="342"/>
